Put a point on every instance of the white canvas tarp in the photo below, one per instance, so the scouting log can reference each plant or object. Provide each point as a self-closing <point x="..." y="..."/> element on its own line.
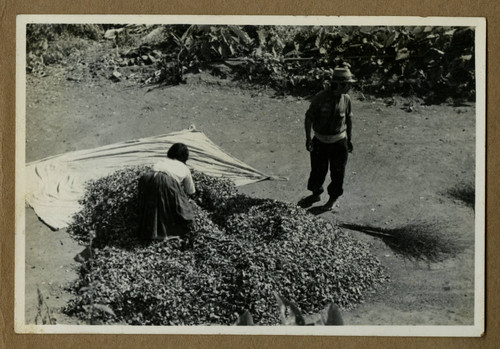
<point x="55" y="184"/>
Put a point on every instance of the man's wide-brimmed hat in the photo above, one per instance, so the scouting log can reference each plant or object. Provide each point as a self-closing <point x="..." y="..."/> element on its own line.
<point x="342" y="75"/>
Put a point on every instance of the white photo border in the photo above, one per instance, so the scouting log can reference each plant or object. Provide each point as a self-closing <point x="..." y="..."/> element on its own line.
<point x="474" y="330"/>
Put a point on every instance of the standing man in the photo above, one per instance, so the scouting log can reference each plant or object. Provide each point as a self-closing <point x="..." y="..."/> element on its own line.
<point x="329" y="117"/>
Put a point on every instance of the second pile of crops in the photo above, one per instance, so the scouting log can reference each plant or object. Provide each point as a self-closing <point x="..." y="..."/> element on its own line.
<point x="243" y="249"/>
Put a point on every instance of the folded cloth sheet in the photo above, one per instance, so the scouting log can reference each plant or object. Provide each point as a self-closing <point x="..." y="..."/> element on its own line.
<point x="55" y="184"/>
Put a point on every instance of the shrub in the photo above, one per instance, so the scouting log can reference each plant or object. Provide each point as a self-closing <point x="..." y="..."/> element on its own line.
<point x="434" y="63"/>
<point x="48" y="44"/>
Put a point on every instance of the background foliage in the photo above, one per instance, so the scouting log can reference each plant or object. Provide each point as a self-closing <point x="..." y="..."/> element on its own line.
<point x="435" y="63"/>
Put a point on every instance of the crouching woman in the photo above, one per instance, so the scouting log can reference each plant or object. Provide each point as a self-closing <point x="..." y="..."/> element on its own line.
<point x="164" y="207"/>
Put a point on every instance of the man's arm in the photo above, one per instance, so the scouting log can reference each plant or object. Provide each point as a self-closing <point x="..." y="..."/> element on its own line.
<point x="308" y="122"/>
<point x="307" y="127"/>
<point x="348" y="123"/>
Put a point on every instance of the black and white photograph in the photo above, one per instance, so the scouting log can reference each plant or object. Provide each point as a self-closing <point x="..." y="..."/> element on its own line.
<point x="250" y="175"/>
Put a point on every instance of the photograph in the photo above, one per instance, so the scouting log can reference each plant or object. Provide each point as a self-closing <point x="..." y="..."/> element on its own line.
<point x="284" y="175"/>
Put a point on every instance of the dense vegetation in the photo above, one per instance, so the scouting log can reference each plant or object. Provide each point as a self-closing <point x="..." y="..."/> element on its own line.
<point x="435" y="63"/>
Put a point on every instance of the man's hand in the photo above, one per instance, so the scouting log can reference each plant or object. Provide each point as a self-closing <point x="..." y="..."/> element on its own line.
<point x="349" y="146"/>
<point x="309" y="145"/>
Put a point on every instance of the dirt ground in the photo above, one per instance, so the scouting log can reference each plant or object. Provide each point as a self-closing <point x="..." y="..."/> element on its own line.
<point x="403" y="165"/>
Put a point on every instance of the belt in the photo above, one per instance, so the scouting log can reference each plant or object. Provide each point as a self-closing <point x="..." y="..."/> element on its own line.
<point x="330" y="138"/>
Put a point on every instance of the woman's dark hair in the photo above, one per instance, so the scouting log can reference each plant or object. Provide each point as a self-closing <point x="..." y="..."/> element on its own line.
<point x="178" y="151"/>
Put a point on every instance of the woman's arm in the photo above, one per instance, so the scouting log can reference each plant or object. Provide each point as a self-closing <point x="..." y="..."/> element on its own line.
<point x="188" y="184"/>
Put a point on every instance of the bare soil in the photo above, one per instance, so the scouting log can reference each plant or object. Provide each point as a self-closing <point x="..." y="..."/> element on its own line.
<point x="403" y="166"/>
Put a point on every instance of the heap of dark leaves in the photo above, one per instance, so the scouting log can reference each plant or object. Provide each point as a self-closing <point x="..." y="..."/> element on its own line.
<point x="243" y="249"/>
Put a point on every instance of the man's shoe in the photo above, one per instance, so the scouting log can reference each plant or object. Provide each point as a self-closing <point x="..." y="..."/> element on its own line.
<point x="318" y="192"/>
<point x="309" y="200"/>
<point x="329" y="204"/>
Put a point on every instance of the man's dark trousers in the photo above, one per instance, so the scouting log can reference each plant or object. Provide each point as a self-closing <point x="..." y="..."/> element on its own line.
<point x="322" y="155"/>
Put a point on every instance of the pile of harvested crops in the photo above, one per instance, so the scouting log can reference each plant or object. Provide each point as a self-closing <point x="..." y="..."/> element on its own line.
<point x="243" y="250"/>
